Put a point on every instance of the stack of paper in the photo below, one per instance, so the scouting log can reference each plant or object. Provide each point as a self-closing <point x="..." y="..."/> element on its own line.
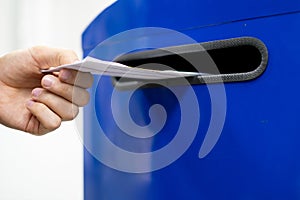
<point x="96" y="66"/>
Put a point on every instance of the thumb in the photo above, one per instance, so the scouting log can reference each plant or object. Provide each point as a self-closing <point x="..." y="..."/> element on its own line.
<point x="47" y="57"/>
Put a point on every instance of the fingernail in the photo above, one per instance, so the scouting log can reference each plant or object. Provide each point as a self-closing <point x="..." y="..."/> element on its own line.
<point x="29" y="103"/>
<point x="47" y="81"/>
<point x="65" y="75"/>
<point x="36" y="92"/>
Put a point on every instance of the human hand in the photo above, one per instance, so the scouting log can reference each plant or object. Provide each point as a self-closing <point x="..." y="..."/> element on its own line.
<point x="37" y="103"/>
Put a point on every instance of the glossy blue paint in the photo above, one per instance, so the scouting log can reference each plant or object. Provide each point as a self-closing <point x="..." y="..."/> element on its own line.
<point x="257" y="155"/>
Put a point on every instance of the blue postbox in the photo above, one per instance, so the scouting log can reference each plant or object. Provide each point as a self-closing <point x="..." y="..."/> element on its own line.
<point x="232" y="133"/>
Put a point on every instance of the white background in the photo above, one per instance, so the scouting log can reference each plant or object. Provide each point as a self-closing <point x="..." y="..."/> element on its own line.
<point x="48" y="167"/>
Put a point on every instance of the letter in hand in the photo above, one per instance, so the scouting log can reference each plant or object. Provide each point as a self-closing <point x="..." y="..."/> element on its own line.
<point x="37" y="103"/>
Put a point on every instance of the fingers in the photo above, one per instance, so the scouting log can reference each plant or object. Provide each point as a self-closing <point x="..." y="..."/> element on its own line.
<point x="58" y="100"/>
<point x="77" y="95"/>
<point x="60" y="106"/>
<point x="80" y="79"/>
<point x="47" y="118"/>
<point x="61" y="92"/>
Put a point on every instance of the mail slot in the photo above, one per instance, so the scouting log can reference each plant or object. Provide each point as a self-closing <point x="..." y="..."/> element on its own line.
<point x="230" y="60"/>
<point x="244" y="128"/>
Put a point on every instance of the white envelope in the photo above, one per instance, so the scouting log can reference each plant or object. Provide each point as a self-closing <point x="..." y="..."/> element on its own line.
<point x="101" y="67"/>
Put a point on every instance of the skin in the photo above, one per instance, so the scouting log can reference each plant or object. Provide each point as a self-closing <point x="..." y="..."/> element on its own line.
<point x="37" y="103"/>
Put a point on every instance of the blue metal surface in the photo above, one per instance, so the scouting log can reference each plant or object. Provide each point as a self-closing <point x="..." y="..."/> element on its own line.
<point x="257" y="155"/>
<point x="178" y="15"/>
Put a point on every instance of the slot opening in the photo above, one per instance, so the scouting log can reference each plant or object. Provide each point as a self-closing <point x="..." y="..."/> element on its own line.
<point x="237" y="59"/>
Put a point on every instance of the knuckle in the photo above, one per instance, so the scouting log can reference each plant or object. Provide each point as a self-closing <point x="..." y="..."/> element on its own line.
<point x="71" y="113"/>
<point x="53" y="124"/>
<point x="66" y="56"/>
<point x="75" y="111"/>
<point x="84" y="98"/>
<point x="37" y="49"/>
<point x="39" y="134"/>
<point x="90" y="80"/>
